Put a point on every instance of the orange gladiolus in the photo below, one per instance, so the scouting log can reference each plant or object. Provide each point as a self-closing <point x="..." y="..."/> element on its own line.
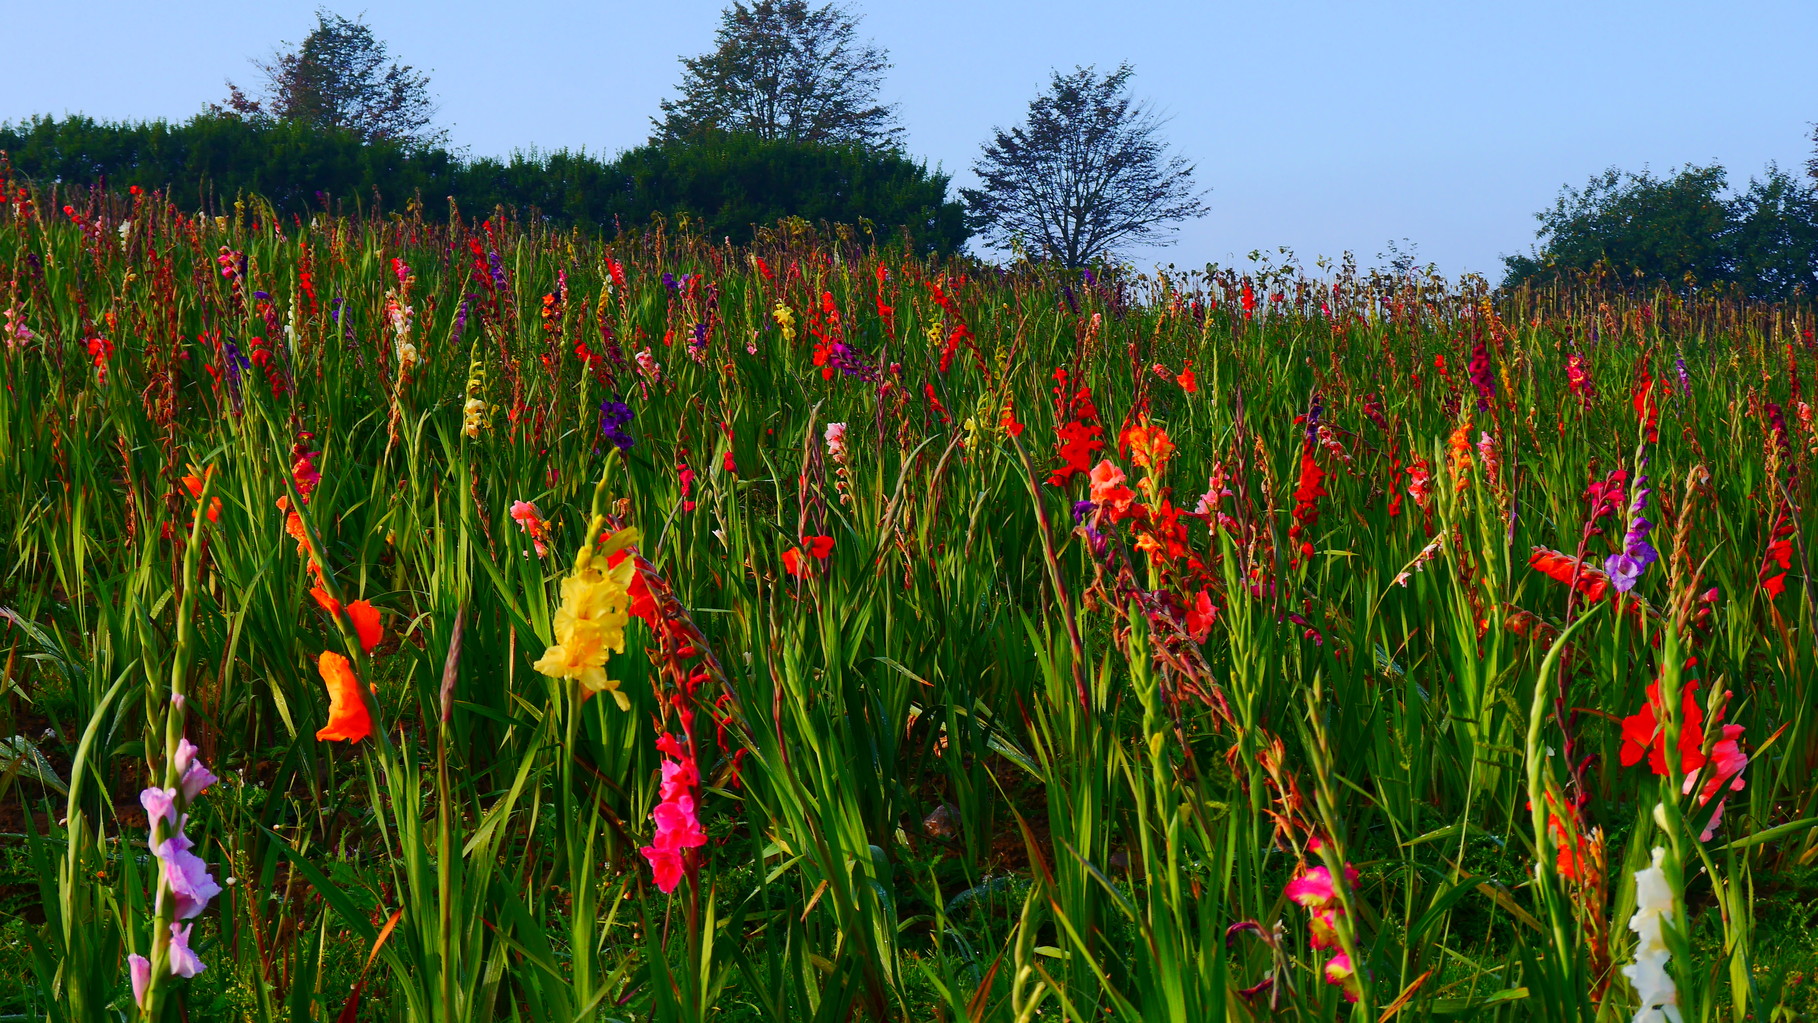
<point x="364" y="616"/>
<point x="193" y="484"/>
<point x="348" y="717"/>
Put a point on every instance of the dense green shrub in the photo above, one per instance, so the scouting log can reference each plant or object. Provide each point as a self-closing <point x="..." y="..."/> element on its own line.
<point x="726" y="184"/>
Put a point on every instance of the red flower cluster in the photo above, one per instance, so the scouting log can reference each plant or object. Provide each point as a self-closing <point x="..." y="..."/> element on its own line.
<point x="1644" y="735"/>
<point x="1779" y="554"/>
<point x="1569" y="571"/>
<point x="1306" y="504"/>
<point x="1079" y="438"/>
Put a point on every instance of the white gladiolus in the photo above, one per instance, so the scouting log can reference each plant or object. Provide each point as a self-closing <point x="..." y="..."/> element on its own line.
<point x="1648" y="974"/>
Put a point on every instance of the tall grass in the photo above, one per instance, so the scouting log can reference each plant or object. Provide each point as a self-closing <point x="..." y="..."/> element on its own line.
<point x="1023" y="744"/>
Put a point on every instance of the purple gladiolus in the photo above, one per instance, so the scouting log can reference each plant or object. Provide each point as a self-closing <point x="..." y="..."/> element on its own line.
<point x="186" y="874"/>
<point x="183" y="962"/>
<point x="159" y="804"/>
<point x="615" y="416"/>
<point x="1626" y="568"/>
<point x="196" y="775"/>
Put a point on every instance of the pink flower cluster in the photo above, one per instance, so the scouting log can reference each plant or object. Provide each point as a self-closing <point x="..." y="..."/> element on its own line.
<point x="678" y="829"/>
<point x="530" y="520"/>
<point x="1314" y="889"/>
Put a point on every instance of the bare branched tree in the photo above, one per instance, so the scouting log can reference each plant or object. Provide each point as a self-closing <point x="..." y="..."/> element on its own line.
<point x="783" y="69"/>
<point x="1086" y="173"/>
<point x="341" y="77"/>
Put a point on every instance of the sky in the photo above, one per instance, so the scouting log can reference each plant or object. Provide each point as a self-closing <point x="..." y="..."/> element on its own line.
<point x="1325" y="127"/>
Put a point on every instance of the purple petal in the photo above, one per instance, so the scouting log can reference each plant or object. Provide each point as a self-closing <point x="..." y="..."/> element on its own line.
<point x="183" y="962"/>
<point x="159" y="803"/>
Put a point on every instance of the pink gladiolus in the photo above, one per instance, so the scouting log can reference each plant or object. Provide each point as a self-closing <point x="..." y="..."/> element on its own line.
<point x="139" y="968"/>
<point x="678" y="828"/>
<point x="530" y="520"/>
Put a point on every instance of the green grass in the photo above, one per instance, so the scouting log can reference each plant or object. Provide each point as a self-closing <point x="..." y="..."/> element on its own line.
<point x="991" y="759"/>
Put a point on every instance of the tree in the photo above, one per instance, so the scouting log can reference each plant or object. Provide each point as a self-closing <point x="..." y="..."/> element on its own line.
<point x="340" y="78"/>
<point x="1682" y="230"/>
<point x="1773" y="236"/>
<point x="1084" y="174"/>
<point x="1637" y="225"/>
<point x="785" y="70"/>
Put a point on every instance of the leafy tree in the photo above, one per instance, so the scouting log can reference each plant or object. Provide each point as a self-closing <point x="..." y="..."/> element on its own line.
<point x="1773" y="236"/>
<point x="341" y="78"/>
<point x="1637" y="225"/>
<point x="785" y="70"/>
<point x="1682" y="230"/>
<point x="1085" y="173"/>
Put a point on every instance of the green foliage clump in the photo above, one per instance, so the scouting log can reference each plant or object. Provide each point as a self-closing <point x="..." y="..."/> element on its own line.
<point x="1682" y="230"/>
<point x="727" y="185"/>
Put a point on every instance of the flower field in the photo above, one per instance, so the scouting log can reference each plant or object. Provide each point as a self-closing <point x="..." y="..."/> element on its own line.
<point x="462" y="619"/>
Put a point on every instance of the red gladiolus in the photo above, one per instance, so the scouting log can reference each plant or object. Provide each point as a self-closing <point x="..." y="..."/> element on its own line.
<point x="795" y="559"/>
<point x="1644" y="735"/>
<point x="193" y="484"/>
<point x="643" y="605"/>
<point x="1564" y="569"/>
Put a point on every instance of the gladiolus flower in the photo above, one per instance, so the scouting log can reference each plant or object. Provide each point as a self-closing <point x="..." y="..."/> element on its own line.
<point x="1648" y="974"/>
<point x="196" y="777"/>
<point x="816" y="547"/>
<point x="186" y="875"/>
<point x="525" y="514"/>
<point x="348" y="716"/>
<point x="643" y="604"/>
<point x="139" y="968"/>
<point x="193" y="484"/>
<point x="183" y="962"/>
<point x="678" y="828"/>
<point x="1563" y="568"/>
<point x="1340" y="971"/>
<point x="1108" y="488"/>
<point x="589" y="624"/>
<point x="1643" y="735"/>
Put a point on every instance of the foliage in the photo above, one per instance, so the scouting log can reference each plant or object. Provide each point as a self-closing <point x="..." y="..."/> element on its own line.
<point x="1085" y="173"/>
<point x="725" y="184"/>
<point x="211" y="158"/>
<point x="782" y="69"/>
<point x="1682" y="230"/>
<point x="339" y="79"/>
<point x="729" y="184"/>
<point x="1012" y="644"/>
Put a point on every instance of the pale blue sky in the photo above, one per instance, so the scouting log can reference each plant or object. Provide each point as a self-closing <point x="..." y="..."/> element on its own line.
<point x="1323" y="126"/>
